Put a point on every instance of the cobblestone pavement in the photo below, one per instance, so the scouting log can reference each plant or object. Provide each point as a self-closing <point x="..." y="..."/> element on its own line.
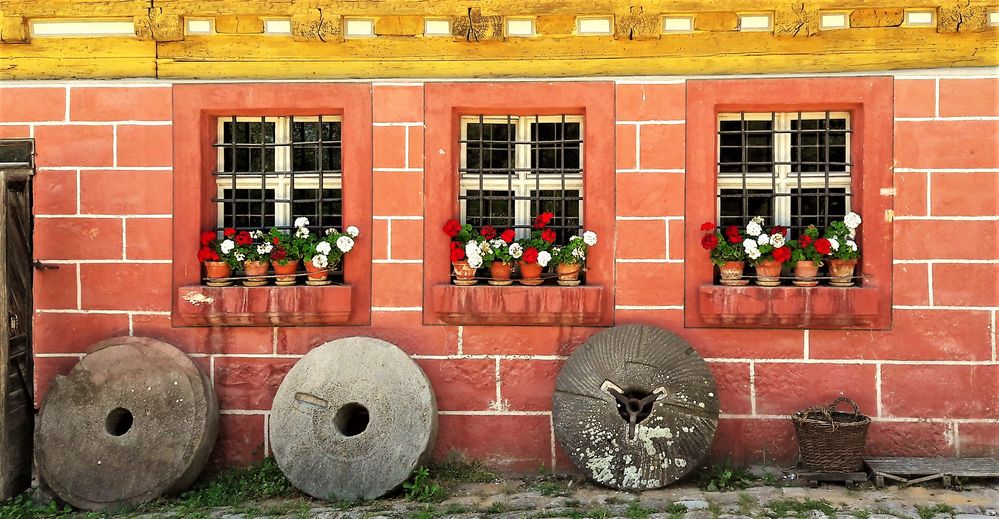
<point x="537" y="498"/>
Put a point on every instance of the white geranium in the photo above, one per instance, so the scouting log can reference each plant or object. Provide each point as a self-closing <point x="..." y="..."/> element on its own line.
<point x="240" y="256"/>
<point x="758" y="220"/>
<point x="579" y="253"/>
<point x="324" y="247"/>
<point x="753" y="253"/>
<point x="763" y="239"/>
<point x="576" y="237"/>
<point x="353" y="231"/>
<point x="544" y="257"/>
<point x="302" y="232"/>
<point x="345" y="243"/>
<point x="852" y="244"/>
<point x="516" y="250"/>
<point x="265" y="248"/>
<point x="320" y="261"/>
<point x="331" y="231"/>
<point x="301" y="221"/>
<point x="753" y="227"/>
<point x="227" y="246"/>
<point x="472" y="249"/>
<point x="777" y="240"/>
<point x="834" y="244"/>
<point x="590" y="238"/>
<point x="749" y="244"/>
<point x="475" y="261"/>
<point x="497" y="243"/>
<point x="852" y="220"/>
<point x="485" y="248"/>
<point x="257" y="234"/>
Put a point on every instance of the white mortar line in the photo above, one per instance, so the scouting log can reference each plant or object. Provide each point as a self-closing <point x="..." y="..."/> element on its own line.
<point x="79" y="288"/>
<point x="274" y="340"/>
<point x="994" y="359"/>
<point x="60" y="355"/>
<point x="397" y="217"/>
<point x="499" y="393"/>
<point x="396" y="308"/>
<point x="461" y="338"/>
<point x="397" y="170"/>
<point x="487" y="356"/>
<point x="211" y="369"/>
<point x="653" y="122"/>
<point x="943" y="119"/>
<point x="99" y="312"/>
<point x="551" y="425"/>
<point x="752" y="388"/>
<point x="946" y="170"/>
<point x="114" y="145"/>
<point x="243" y="412"/>
<point x="641" y="307"/>
<point x="666" y="170"/>
<point x="929" y="194"/>
<point x="104" y="168"/>
<point x="667" y="236"/>
<point x="106" y="261"/>
<point x="398" y="261"/>
<point x="641" y="218"/>
<point x="78" y="193"/>
<point x="408" y="124"/>
<point x="956" y="438"/>
<point x="66" y="117"/>
<point x="87" y="123"/>
<point x="267" y="434"/>
<point x="946" y="261"/>
<point x="406" y="147"/>
<point x="131" y="327"/>
<point x="638" y="147"/>
<point x="105" y="216"/>
<point x="388" y="239"/>
<point x="884" y="419"/>
<point x="647" y="260"/>
<point x="948" y="218"/>
<point x="806" y="345"/>
<point x="936" y="97"/>
<point x="929" y="282"/>
<point x="958" y="308"/>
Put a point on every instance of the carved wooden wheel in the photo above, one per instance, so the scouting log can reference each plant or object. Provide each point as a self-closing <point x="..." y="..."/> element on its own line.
<point x="635" y="408"/>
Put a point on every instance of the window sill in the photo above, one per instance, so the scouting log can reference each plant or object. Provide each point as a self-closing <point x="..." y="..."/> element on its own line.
<point x="519" y="305"/>
<point x="199" y="305"/>
<point x="792" y="307"/>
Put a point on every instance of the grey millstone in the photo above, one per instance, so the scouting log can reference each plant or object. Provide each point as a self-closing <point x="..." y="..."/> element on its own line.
<point x="352" y="419"/>
<point x="641" y="361"/>
<point x="133" y="420"/>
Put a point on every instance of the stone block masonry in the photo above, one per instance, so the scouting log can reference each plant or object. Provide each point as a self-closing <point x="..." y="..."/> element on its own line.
<point x="104" y="212"/>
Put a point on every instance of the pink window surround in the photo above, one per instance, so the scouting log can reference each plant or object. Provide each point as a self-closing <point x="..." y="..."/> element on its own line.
<point x="870" y="103"/>
<point x="446" y="103"/>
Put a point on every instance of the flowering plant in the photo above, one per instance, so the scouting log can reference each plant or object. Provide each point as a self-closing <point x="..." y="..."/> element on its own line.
<point x="225" y="249"/>
<point x="727" y="247"/>
<point x="501" y="248"/>
<point x="460" y="236"/>
<point x="290" y="246"/>
<point x="537" y="247"/>
<point x="327" y="251"/>
<point x="809" y="247"/>
<point x="842" y="236"/>
<point x="761" y="246"/>
<point x="575" y="251"/>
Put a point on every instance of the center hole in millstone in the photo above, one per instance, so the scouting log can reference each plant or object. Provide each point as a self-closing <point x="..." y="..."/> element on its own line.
<point x="118" y="422"/>
<point x="351" y="419"/>
<point x="634" y="406"/>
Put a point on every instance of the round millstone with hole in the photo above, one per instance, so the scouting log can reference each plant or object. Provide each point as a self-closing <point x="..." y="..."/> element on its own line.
<point x="135" y="419"/>
<point x="635" y="408"/>
<point x="352" y="419"/>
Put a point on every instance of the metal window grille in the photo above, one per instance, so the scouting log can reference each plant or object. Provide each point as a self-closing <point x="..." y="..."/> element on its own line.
<point x="272" y="170"/>
<point x="791" y="168"/>
<point x="514" y="168"/>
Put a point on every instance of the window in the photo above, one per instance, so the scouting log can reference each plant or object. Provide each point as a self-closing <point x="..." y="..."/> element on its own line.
<point x="514" y="168"/>
<point x="791" y="168"/>
<point x="272" y="170"/>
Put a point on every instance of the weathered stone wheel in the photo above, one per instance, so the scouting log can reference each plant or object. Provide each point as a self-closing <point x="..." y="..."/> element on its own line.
<point x="135" y="419"/>
<point x="352" y="419"/>
<point x="635" y="408"/>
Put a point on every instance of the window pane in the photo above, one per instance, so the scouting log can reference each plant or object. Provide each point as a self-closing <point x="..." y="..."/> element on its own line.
<point x="490" y="148"/>
<point x="555" y="147"/>
<point x="239" y="153"/>
<point x="494" y="208"/>
<point x="323" y="208"/>
<point x="315" y="155"/>
<point x="818" y="145"/>
<point x="565" y="204"/>
<point x="737" y="207"/>
<point x="816" y="207"/>
<point x="745" y="146"/>
<point x="16" y="152"/>
<point x="248" y="208"/>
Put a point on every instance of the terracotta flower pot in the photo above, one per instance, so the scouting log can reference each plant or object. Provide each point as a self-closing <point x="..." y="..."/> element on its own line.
<point x="530" y="273"/>
<point x="500" y="272"/>
<point x="568" y="273"/>
<point x="317" y="276"/>
<point x="841" y="272"/>
<point x="768" y="273"/>
<point x="285" y="273"/>
<point x="254" y="270"/>
<point x="731" y="273"/>
<point x="214" y="270"/>
<point x="464" y="274"/>
<point x="805" y="272"/>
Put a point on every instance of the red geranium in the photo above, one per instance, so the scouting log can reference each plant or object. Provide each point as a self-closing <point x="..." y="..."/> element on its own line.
<point x="457" y="253"/>
<point x="207" y="237"/>
<point x="279" y="254"/>
<point x="542" y="220"/>
<point x="452" y="228"/>
<point x="488" y="232"/>
<point x="735" y="238"/>
<point x="548" y="235"/>
<point x="530" y="255"/>
<point x="782" y="254"/>
<point x="207" y="254"/>
<point x="779" y="229"/>
<point x="243" y="238"/>
<point x="709" y="241"/>
<point x="508" y="235"/>
<point x="276" y="241"/>
<point x="822" y="246"/>
<point x="806" y="240"/>
<point x="229" y="231"/>
<point x="707" y="226"/>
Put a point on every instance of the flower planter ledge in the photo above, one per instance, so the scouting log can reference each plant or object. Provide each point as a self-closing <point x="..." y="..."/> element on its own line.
<point x="520" y="305"/>
<point x="199" y="305"/>
<point x="792" y="307"/>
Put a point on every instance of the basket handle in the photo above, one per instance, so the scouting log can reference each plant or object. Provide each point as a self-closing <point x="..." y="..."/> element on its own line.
<point x="839" y="400"/>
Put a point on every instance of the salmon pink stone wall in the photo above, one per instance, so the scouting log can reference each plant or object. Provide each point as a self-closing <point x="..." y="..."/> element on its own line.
<point x="105" y="206"/>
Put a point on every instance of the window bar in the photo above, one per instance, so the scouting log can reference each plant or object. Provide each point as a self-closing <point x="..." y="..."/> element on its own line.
<point x="744" y="140"/>
<point x="482" y="162"/>
<point x="320" y="190"/>
<point x="537" y="174"/>
<point x="511" y="165"/>
<point x="775" y="201"/>
<point x="232" y="169"/>
<point x="826" y="157"/>
<point x="564" y="216"/>
<point x="797" y="220"/>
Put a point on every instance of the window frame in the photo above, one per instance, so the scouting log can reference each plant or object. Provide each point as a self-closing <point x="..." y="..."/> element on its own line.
<point x="869" y="101"/>
<point x="196" y="110"/>
<point x="446" y="103"/>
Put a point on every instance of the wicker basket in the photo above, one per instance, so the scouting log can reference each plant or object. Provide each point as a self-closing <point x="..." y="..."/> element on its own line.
<point x="830" y="440"/>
